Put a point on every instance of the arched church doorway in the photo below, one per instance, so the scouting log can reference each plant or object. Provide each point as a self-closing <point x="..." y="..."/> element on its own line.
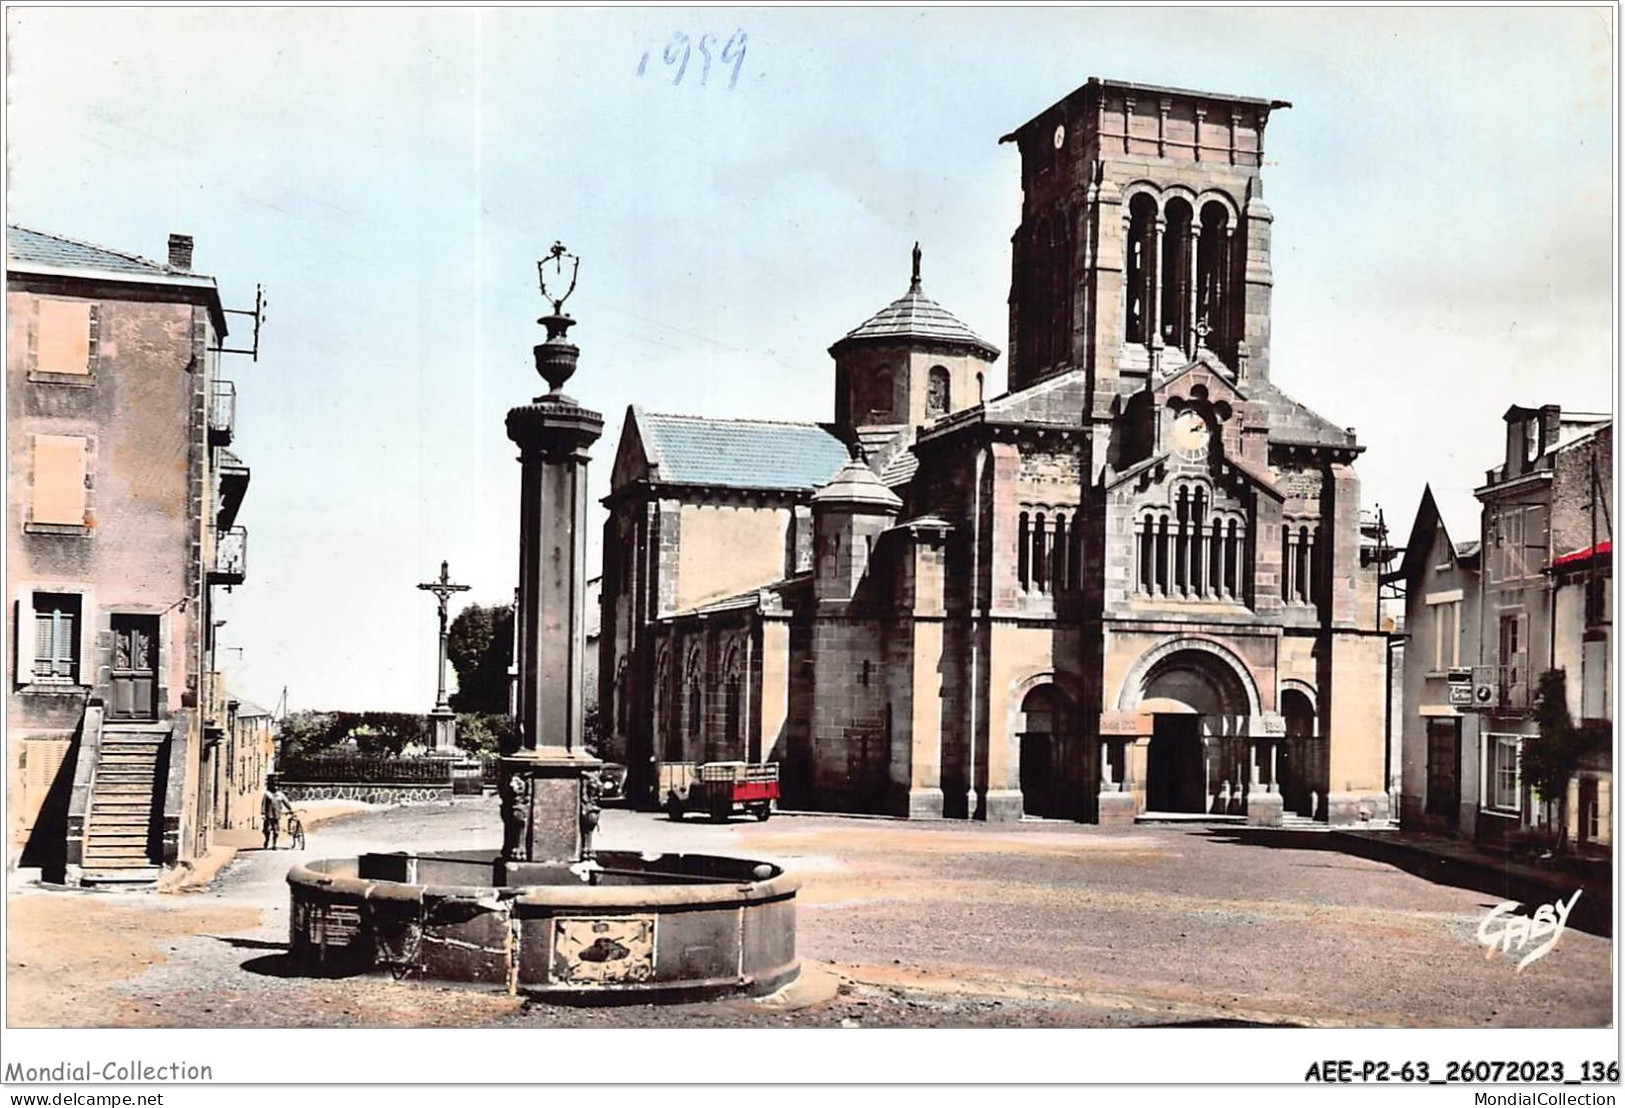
<point x="1195" y="701"/>
<point x="1043" y="732"/>
<point x="1176" y="766"/>
<point x="1296" y="766"/>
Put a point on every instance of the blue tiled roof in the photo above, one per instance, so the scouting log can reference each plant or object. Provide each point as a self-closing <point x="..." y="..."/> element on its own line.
<point x="742" y="453"/>
<point x="38" y="248"/>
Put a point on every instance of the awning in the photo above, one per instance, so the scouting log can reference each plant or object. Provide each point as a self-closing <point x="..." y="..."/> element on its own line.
<point x="1602" y="549"/>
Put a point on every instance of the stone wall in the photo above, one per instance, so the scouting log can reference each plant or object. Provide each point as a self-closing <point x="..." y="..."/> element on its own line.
<point x="728" y="548"/>
<point x="367" y="794"/>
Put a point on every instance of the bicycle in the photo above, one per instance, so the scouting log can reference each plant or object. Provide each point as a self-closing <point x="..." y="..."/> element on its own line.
<point x="296" y="833"/>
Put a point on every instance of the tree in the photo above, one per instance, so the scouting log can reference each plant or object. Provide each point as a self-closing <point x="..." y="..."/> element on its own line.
<point x="306" y="733"/>
<point x="592" y="736"/>
<point x="1549" y="761"/>
<point x="309" y="734"/>
<point x="479" y="644"/>
<point x="487" y="732"/>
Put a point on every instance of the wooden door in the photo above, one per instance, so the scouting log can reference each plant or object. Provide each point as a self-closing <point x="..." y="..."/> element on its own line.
<point x="135" y="667"/>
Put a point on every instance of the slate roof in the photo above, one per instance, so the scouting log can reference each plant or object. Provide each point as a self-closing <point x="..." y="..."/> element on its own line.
<point x="30" y="247"/>
<point x="900" y="468"/>
<point x="916" y="316"/>
<point x="741" y="453"/>
<point x="857" y="484"/>
<point x="1293" y="422"/>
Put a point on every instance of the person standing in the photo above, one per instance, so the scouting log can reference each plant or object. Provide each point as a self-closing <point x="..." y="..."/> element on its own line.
<point x="273" y="803"/>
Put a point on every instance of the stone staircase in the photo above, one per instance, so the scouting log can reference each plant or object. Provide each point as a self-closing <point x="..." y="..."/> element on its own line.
<point x="1293" y="821"/>
<point x="126" y="789"/>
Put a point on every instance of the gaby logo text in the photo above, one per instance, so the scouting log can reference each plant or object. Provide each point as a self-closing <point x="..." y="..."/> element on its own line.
<point x="1503" y="931"/>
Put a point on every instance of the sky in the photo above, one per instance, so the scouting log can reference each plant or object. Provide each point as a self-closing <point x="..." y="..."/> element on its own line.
<point x="1443" y="238"/>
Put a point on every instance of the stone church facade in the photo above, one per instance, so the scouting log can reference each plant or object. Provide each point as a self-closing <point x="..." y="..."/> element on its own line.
<point x="1134" y="582"/>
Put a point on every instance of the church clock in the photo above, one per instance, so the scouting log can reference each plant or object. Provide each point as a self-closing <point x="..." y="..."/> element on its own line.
<point x="1189" y="435"/>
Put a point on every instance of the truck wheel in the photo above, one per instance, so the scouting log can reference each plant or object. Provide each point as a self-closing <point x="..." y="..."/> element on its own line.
<point x="763" y="811"/>
<point x="674" y="809"/>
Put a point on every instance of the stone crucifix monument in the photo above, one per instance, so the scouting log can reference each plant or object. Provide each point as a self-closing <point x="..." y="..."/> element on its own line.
<point x="549" y="782"/>
<point x="442" y="719"/>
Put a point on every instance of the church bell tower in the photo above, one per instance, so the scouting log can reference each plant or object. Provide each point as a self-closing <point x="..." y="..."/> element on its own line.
<point x="1144" y="237"/>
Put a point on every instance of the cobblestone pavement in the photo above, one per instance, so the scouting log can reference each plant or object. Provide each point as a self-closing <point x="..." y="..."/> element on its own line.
<point x="924" y="924"/>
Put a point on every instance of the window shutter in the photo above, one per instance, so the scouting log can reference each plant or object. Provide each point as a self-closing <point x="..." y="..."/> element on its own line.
<point x="44" y="644"/>
<point x="22" y="661"/>
<point x="1594" y="689"/>
<point x="64" y="336"/>
<point x="59" y="479"/>
<point x="94" y="337"/>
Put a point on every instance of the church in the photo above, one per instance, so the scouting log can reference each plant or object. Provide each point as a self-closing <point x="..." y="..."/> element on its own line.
<point x="1133" y="583"/>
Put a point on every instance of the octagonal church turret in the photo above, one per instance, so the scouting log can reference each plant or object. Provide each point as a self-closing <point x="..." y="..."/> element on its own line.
<point x="910" y="363"/>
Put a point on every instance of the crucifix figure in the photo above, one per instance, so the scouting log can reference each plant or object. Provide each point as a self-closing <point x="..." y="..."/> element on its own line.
<point x="443" y="588"/>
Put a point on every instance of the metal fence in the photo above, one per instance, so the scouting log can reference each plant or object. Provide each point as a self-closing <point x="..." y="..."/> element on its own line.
<point x="361" y="770"/>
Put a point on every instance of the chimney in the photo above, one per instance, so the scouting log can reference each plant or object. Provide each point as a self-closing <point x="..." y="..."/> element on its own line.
<point x="180" y="252"/>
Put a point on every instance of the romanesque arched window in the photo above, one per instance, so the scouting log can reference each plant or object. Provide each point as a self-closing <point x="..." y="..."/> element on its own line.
<point x="882" y="398"/>
<point x="668" y="739"/>
<point x="1145" y="548"/>
<point x="1040" y="562"/>
<point x="1074" y="557"/>
<point x="1300" y="556"/>
<point x="1160" y="570"/>
<point x="1023" y="552"/>
<point x="1173" y="318"/>
<point x="937" y="386"/>
<point x="732" y="741"/>
<point x="1140" y="236"/>
<point x="1192" y="549"/>
<point x="1049" y="549"/>
<point x="694" y="700"/>
<point x="1213" y="276"/>
<point x="1058" y="561"/>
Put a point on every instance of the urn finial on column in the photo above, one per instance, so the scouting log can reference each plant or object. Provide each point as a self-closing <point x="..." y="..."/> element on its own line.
<point x="556" y="358"/>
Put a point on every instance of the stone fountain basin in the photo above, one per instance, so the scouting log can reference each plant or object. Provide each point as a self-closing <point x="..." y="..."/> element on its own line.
<point x="627" y="926"/>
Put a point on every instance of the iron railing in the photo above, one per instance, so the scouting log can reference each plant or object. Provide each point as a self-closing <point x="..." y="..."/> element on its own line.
<point x="230" y="557"/>
<point x="1513" y="685"/>
<point x="347" y="769"/>
<point x="222" y="412"/>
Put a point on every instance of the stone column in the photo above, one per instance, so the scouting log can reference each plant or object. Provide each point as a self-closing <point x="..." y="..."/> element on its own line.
<point x="1264" y="805"/>
<point x="548" y="784"/>
<point x="1192" y="279"/>
<point x="1154" y="280"/>
<point x="1116" y="803"/>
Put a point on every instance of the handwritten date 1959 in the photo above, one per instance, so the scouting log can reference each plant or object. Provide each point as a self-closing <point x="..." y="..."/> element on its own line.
<point x="681" y="50"/>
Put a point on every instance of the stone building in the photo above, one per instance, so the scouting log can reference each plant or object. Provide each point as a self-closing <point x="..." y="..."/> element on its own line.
<point x="123" y="498"/>
<point x="1132" y="582"/>
<point x="1439" y="780"/>
<point x="1546" y="604"/>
